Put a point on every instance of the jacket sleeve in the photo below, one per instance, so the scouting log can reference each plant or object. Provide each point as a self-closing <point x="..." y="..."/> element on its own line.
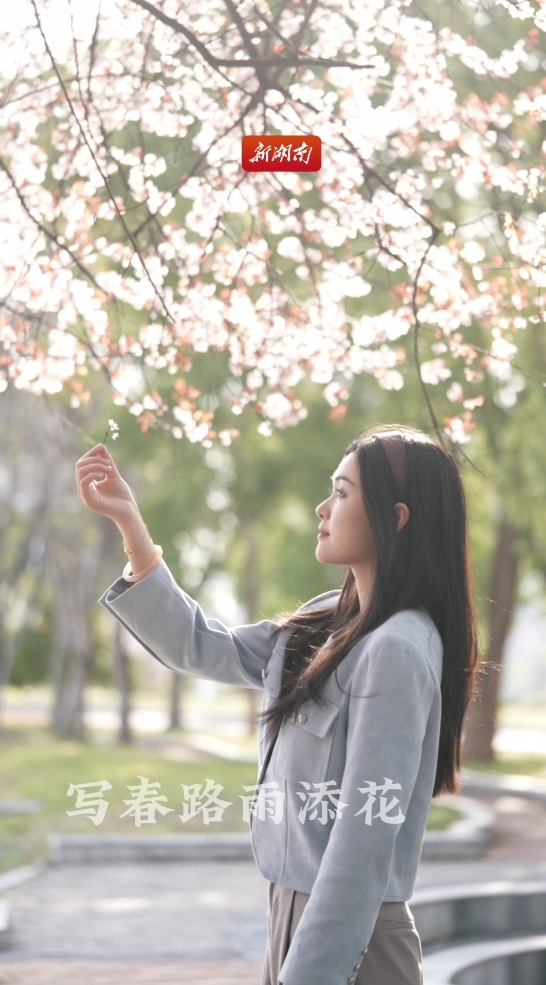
<point x="174" y="629"/>
<point x="386" y="728"/>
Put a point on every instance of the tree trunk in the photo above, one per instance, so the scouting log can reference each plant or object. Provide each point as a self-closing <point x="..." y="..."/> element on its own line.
<point x="71" y="658"/>
<point x="122" y="679"/>
<point x="11" y="643"/>
<point x="176" y="719"/>
<point x="7" y="658"/>
<point x="482" y="711"/>
<point x="24" y="575"/>
<point x="48" y="549"/>
<point x="74" y="573"/>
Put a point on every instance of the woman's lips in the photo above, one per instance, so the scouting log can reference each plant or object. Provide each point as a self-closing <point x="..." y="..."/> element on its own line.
<point x="322" y="534"/>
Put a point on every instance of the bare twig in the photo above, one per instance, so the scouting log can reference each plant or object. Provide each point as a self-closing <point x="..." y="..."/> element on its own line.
<point x="416" y="356"/>
<point x="92" y="53"/>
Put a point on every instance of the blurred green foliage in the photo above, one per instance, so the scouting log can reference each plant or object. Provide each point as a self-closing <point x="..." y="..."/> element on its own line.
<point x="249" y="509"/>
<point x="32" y="663"/>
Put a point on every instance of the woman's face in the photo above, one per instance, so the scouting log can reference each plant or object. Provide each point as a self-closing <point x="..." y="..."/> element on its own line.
<point x="344" y="533"/>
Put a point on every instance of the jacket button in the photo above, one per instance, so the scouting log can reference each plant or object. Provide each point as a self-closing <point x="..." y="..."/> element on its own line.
<point x="351" y="981"/>
<point x="364" y="952"/>
<point x="302" y="719"/>
<point x="264" y="673"/>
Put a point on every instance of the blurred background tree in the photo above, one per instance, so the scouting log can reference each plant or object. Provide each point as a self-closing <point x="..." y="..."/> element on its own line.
<point x="247" y="511"/>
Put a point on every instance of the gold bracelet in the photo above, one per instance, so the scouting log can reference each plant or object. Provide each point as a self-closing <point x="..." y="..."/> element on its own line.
<point x="132" y="553"/>
<point x="130" y="577"/>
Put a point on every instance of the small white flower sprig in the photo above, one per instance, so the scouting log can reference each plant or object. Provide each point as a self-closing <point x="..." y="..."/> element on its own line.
<point x="113" y="431"/>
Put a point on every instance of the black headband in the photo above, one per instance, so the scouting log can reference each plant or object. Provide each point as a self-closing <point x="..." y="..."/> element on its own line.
<point x="394" y="447"/>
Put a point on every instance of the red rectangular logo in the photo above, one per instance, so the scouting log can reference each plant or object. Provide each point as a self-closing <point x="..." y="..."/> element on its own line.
<point x="281" y="153"/>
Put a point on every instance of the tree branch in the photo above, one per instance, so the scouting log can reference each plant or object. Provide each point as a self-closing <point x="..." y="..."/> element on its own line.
<point x="428" y="401"/>
<point x="99" y="169"/>
<point x="247" y="41"/>
<point x="47" y="232"/>
<point x="256" y="63"/>
<point x="92" y="53"/>
<point x="455" y="448"/>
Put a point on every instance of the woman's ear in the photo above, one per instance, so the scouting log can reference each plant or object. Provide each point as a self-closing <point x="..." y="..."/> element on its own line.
<point x="403" y="514"/>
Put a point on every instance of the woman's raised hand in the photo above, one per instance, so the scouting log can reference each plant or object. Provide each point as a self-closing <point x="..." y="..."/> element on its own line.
<point x="101" y="488"/>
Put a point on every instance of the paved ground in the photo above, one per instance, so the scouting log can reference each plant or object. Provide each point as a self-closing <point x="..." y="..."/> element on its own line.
<point x="121" y="973"/>
<point x="157" y="924"/>
<point x="520" y="832"/>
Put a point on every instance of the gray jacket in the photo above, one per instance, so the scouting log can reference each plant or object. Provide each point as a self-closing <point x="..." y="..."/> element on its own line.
<point x="354" y="842"/>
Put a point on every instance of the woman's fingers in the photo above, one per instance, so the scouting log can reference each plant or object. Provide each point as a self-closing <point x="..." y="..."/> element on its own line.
<point x="99" y="452"/>
<point x="93" y="474"/>
<point x="93" y="470"/>
<point x="97" y="467"/>
<point x="88" y="490"/>
<point x="96" y="450"/>
<point x="97" y="463"/>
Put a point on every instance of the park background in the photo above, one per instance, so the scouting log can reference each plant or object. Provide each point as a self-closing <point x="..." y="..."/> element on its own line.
<point x="85" y="702"/>
<point x="228" y="485"/>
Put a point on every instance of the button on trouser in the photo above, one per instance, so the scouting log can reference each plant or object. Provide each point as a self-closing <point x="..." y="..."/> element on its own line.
<point x="393" y="955"/>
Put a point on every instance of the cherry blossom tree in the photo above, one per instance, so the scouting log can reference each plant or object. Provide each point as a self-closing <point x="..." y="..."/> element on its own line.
<point x="132" y="241"/>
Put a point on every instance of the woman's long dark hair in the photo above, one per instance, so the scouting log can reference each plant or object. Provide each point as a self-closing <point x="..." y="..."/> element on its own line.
<point x="426" y="565"/>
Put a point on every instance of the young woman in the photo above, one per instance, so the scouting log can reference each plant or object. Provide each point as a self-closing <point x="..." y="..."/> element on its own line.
<point x="365" y="691"/>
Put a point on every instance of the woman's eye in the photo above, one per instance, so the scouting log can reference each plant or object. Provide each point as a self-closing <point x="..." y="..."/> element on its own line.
<point x="340" y="493"/>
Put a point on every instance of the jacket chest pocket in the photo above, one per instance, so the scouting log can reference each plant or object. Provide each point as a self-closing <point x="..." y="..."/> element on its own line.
<point x="305" y="742"/>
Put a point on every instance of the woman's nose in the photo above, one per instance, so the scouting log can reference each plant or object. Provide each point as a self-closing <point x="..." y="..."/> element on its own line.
<point x="321" y="510"/>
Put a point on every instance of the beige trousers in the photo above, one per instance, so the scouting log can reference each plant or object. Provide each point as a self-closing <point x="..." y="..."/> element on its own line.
<point x="394" y="953"/>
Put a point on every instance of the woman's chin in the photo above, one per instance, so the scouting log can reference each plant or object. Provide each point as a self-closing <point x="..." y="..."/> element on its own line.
<point x="321" y="553"/>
